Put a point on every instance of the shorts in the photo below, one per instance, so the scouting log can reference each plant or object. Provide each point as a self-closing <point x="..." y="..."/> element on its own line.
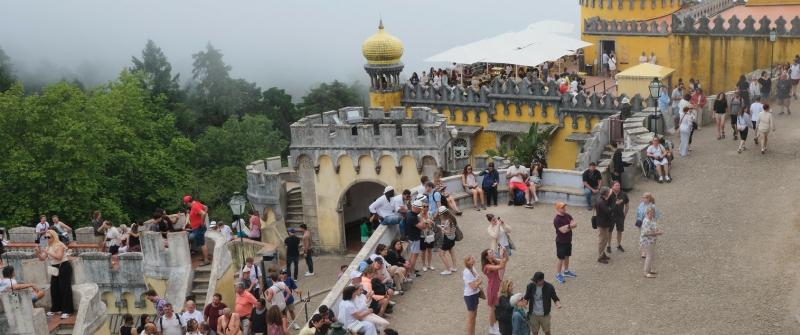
<point x="784" y="102"/>
<point x="114" y="249"/>
<point x="520" y="186"/>
<point x="364" y="239"/>
<point x="447" y="243"/>
<point x="508" y="252"/>
<point x="289" y="307"/>
<point x="663" y="161"/>
<point x="101" y="241"/>
<point x="733" y="119"/>
<point x="413" y="246"/>
<point x="754" y="124"/>
<point x="795" y="81"/>
<point x="34" y="298"/>
<point x="676" y="113"/>
<point x="472" y="301"/>
<point x="605" y="66"/>
<point x="764" y="95"/>
<point x="619" y="222"/>
<point x="563" y="249"/>
<point x="425" y="246"/>
<point x="719" y="116"/>
<point x="200" y="236"/>
<point x="540" y="321"/>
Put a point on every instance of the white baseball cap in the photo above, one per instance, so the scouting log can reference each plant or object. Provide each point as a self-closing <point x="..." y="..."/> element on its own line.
<point x="213" y="224"/>
<point x="355" y="274"/>
<point x="417" y="204"/>
<point x="388" y="189"/>
<point x="442" y="209"/>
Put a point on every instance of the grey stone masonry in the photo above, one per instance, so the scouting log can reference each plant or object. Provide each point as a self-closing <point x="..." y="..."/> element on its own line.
<point x="683" y="24"/>
<point x="380" y="134"/>
<point x="528" y="94"/>
<point x="126" y="278"/>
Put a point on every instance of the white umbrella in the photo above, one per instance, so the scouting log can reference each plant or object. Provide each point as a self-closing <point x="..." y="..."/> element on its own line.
<point x="542" y="47"/>
<point x="552" y="26"/>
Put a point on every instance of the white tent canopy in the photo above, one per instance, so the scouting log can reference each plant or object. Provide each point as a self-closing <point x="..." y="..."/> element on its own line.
<point x="532" y="46"/>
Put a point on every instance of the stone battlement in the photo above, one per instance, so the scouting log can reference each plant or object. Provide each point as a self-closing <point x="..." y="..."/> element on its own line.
<point x="683" y="24"/>
<point x="378" y="134"/>
<point x="642" y="3"/>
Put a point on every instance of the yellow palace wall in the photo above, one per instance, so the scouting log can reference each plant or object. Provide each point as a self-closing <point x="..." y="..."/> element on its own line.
<point x="635" y="46"/>
<point x="330" y="186"/>
<point x="562" y="154"/>
<point x="385" y="100"/>
<point x="637" y="13"/>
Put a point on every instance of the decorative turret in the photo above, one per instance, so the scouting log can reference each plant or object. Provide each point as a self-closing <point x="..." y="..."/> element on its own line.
<point x="383" y="52"/>
<point x="630" y="9"/>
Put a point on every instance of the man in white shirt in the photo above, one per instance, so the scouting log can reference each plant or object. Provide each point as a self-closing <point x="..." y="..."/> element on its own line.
<point x="653" y="58"/>
<point x="755" y="109"/>
<point x="170" y="324"/>
<point x="191" y="313"/>
<point x="605" y="64"/>
<point x="275" y="293"/>
<point x="516" y="176"/>
<point x="383" y="206"/>
<point x="573" y="86"/>
<point x="255" y="276"/>
<point x="41" y="227"/>
<point x="225" y="230"/>
<point x="794" y="77"/>
<point x="453" y="68"/>
<point x="9" y="283"/>
<point x="402" y="202"/>
<point x="642" y="58"/>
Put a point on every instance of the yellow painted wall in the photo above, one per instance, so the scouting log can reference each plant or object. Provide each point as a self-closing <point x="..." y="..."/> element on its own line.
<point x="104" y="329"/>
<point x="225" y="287"/>
<point x="636" y="45"/>
<point x="772" y="2"/>
<point x="158" y="285"/>
<point x="330" y="186"/>
<point x="385" y="100"/>
<point x="637" y="13"/>
<point x="719" y="61"/>
<point x="131" y="300"/>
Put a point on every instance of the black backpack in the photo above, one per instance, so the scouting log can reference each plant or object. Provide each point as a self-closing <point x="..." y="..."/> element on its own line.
<point x="503" y="311"/>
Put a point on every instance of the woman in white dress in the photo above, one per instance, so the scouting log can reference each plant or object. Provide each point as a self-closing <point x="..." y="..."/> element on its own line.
<point x="612" y="65"/>
<point x="686" y="119"/>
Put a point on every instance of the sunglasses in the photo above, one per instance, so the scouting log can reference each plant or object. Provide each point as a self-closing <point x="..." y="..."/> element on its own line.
<point x="48" y="238"/>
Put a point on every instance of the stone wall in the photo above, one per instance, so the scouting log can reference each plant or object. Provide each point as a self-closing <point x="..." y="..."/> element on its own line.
<point x="168" y="270"/>
<point x="22" y="235"/>
<point x="18" y="315"/>
<point x="127" y="278"/>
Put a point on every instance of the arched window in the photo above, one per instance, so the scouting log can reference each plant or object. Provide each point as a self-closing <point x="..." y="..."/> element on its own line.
<point x="460" y="148"/>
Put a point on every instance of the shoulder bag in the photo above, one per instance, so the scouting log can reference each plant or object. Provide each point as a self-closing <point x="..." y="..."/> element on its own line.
<point x="510" y="242"/>
<point x="594" y="217"/>
<point x="459" y="234"/>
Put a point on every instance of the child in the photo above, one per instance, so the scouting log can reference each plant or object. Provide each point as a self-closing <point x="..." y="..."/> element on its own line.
<point x="344" y="268"/>
<point x="364" y="231"/>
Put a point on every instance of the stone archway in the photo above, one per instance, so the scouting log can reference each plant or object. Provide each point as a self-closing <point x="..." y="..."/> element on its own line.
<point x="353" y="204"/>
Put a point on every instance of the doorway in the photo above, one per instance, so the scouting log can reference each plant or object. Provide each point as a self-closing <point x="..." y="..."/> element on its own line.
<point x="354" y="202"/>
<point x="605" y="46"/>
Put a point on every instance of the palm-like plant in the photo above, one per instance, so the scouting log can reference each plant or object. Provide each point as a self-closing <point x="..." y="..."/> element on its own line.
<point x="533" y="145"/>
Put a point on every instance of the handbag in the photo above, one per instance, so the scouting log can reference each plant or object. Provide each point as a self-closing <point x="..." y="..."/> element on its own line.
<point x="694" y="126"/>
<point x="53" y="271"/>
<point x="459" y="234"/>
<point x="638" y="223"/>
<point x="430" y="237"/>
<point x="594" y="221"/>
<point x="510" y="242"/>
<point x="481" y="294"/>
<point x="741" y="127"/>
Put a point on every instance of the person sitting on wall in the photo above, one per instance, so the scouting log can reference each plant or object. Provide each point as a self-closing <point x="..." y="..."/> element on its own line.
<point x="9" y="283"/>
<point x="516" y="174"/>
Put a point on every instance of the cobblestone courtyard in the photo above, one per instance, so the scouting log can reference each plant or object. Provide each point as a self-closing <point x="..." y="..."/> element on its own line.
<point x="728" y="260"/>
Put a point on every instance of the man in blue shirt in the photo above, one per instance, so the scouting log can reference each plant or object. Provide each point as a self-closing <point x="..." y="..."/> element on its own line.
<point x="292" y="285"/>
<point x="435" y="201"/>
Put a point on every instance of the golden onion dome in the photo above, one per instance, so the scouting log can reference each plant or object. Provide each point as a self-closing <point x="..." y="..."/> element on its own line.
<point x="382" y="48"/>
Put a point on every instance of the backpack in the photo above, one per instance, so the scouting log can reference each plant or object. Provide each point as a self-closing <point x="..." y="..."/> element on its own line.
<point x="519" y="198"/>
<point x="488" y="180"/>
<point x="503" y="311"/>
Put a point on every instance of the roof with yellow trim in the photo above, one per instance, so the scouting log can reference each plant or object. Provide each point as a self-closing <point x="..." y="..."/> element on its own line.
<point x="382" y="48"/>
<point x="646" y="70"/>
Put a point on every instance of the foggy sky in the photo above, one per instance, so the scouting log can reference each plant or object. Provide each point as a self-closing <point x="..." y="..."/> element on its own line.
<point x="288" y="44"/>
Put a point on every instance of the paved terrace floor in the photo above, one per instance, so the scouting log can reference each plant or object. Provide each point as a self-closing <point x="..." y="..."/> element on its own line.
<point x="728" y="261"/>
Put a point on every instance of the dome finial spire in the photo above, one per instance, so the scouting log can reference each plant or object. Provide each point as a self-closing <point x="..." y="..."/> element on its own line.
<point x="380" y="26"/>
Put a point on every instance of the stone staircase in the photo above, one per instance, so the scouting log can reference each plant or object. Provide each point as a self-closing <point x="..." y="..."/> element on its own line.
<point x="63" y="329"/>
<point x="200" y="285"/>
<point x="294" y="209"/>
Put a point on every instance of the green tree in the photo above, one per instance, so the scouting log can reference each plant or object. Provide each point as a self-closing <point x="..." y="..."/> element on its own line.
<point x="159" y="72"/>
<point x="327" y="97"/>
<point x="280" y="110"/>
<point x="533" y="145"/>
<point x="214" y="97"/>
<point x="7" y="77"/>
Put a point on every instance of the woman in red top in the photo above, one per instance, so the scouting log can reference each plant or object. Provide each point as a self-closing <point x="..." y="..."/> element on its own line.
<point x="491" y="266"/>
<point x="698" y="102"/>
<point x="255" y="226"/>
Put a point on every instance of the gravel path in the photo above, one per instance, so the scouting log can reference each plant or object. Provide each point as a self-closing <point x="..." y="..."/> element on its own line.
<point x="728" y="261"/>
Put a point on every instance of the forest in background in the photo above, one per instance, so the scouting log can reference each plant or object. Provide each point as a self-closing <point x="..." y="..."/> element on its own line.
<point x="141" y="141"/>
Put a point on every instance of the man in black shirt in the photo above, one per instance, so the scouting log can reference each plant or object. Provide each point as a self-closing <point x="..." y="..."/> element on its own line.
<point x="766" y="85"/>
<point x="292" y="252"/>
<point x="592" y="180"/>
<point x="619" y="166"/>
<point x="618" y="216"/>
<point x="97" y="227"/>
<point x="413" y="227"/>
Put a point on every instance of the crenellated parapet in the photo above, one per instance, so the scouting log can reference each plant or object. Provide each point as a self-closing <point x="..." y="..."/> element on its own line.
<point x="127" y="278"/>
<point x="523" y="94"/>
<point x="695" y="25"/>
<point x="377" y="134"/>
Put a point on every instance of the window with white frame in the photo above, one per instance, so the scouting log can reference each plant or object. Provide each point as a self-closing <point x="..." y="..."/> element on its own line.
<point x="460" y="148"/>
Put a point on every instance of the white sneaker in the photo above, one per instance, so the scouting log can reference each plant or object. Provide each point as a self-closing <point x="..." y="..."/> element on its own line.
<point x="431" y="267"/>
<point x="391" y="302"/>
<point x="424" y="269"/>
<point x="296" y="327"/>
<point x="668" y="179"/>
<point x="51" y="313"/>
<point x="660" y="178"/>
<point x="407" y="281"/>
<point x="64" y="316"/>
<point x="535" y="198"/>
<point x="309" y="274"/>
<point x="453" y="269"/>
<point x="445" y="272"/>
<point x="495" y="330"/>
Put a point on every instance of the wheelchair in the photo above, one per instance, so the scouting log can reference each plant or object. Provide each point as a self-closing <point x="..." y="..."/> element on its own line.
<point x="649" y="168"/>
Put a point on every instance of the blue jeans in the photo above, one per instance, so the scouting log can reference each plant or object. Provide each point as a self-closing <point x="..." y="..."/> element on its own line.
<point x="588" y="192"/>
<point x="289" y="261"/>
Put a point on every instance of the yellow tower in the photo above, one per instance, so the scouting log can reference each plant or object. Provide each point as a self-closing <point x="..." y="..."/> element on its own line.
<point x="383" y="52"/>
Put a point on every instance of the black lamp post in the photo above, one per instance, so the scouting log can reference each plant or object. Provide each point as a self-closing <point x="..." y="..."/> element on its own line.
<point x="655" y="91"/>
<point x="773" y="36"/>
<point x="237" y="204"/>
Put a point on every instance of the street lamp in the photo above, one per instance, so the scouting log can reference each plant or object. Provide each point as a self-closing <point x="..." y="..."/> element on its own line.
<point x="655" y="91"/>
<point x="773" y="36"/>
<point x="237" y="204"/>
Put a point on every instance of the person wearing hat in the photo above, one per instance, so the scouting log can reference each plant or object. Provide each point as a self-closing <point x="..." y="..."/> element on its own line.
<point x="625" y="109"/>
<point x="348" y="313"/>
<point x="273" y="293"/>
<point x="516" y="174"/>
<point x="413" y="227"/>
<point x="292" y="244"/>
<point x="540" y="294"/>
<point x="564" y="225"/>
<point x="385" y="207"/>
<point x="448" y="227"/>
<point x="197" y="220"/>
